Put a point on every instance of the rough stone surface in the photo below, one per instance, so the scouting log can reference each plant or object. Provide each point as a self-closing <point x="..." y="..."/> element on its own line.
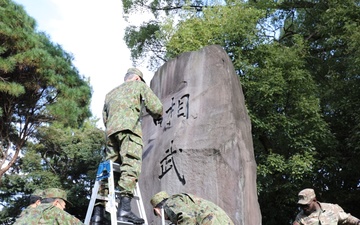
<point x="204" y="144"/>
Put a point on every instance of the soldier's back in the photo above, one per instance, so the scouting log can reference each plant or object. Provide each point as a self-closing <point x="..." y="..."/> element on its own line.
<point x="202" y="211"/>
<point x="54" y="215"/>
<point x="30" y="216"/>
<point x="211" y="214"/>
<point x="47" y="214"/>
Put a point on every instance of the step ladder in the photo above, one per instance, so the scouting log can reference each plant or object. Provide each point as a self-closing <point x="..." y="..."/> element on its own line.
<point x="105" y="172"/>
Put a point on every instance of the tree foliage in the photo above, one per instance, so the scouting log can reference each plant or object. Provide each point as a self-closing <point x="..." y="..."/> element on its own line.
<point x="46" y="136"/>
<point x="57" y="159"/>
<point x="298" y="62"/>
<point x="38" y="84"/>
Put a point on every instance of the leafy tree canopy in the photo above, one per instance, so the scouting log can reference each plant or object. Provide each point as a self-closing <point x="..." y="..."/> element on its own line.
<point x="57" y="159"/>
<point x="38" y="84"/>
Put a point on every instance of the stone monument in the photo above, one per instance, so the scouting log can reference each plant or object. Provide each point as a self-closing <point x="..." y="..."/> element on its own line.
<point x="204" y="144"/>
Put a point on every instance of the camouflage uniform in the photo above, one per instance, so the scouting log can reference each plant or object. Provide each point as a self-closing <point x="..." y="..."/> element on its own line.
<point x="189" y="209"/>
<point x="47" y="213"/>
<point x="121" y="117"/>
<point x="39" y="193"/>
<point x="25" y="211"/>
<point x="330" y="214"/>
<point x="36" y="195"/>
<point x="324" y="213"/>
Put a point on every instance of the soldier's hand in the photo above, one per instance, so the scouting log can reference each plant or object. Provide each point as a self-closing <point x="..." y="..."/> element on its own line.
<point x="179" y="217"/>
<point x="157" y="121"/>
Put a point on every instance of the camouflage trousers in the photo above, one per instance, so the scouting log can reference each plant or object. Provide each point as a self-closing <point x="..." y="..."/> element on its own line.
<point x="125" y="148"/>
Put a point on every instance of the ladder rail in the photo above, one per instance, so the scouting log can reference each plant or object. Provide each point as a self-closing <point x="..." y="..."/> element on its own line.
<point x="140" y="203"/>
<point x="92" y="203"/>
<point x="112" y="196"/>
<point x="162" y="216"/>
<point x="111" y="205"/>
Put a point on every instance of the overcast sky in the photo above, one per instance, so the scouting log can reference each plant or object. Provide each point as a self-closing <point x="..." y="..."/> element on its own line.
<point x="93" y="32"/>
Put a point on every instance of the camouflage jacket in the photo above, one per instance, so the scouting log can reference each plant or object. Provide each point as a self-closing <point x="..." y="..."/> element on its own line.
<point x="123" y="105"/>
<point x="26" y="211"/>
<point x="330" y="214"/>
<point x="189" y="209"/>
<point x="47" y="214"/>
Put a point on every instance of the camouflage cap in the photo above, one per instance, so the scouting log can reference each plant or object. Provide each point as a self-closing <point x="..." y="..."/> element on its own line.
<point x="38" y="192"/>
<point x="159" y="197"/>
<point x="306" y="196"/>
<point x="137" y="72"/>
<point x="56" y="193"/>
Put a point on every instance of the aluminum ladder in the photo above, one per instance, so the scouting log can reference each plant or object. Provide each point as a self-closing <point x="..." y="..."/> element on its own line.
<point x="105" y="172"/>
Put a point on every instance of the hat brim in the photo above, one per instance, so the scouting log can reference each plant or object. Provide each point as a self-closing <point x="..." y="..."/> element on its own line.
<point x="303" y="202"/>
<point x="67" y="202"/>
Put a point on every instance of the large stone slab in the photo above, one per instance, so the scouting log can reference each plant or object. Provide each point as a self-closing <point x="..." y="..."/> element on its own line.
<point x="204" y="144"/>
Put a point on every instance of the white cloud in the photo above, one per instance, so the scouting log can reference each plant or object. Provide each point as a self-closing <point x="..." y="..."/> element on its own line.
<point x="93" y="32"/>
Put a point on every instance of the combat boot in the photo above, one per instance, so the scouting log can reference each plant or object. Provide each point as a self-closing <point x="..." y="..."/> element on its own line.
<point x="124" y="213"/>
<point x="98" y="217"/>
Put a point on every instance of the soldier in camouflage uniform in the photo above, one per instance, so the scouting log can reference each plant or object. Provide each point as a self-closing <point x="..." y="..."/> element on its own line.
<point x="35" y="200"/>
<point x="121" y="115"/>
<point x="50" y="211"/>
<point x="315" y="213"/>
<point x="189" y="209"/>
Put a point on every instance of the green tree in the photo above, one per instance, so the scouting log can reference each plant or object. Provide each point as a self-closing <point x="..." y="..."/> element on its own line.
<point x="61" y="157"/>
<point x="149" y="40"/>
<point x="38" y="84"/>
<point x="330" y="30"/>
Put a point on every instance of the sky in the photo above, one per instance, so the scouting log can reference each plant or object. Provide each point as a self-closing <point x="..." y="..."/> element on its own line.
<point x="92" y="31"/>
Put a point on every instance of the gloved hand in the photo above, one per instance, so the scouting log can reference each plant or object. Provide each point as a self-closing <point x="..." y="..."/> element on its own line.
<point x="158" y="120"/>
<point x="179" y="217"/>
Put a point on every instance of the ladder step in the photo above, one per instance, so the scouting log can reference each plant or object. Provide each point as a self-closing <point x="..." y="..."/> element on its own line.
<point x="123" y="223"/>
<point x="99" y="197"/>
<point x="104" y="198"/>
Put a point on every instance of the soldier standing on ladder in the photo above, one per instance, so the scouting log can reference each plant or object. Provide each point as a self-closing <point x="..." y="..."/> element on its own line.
<point x="122" y="120"/>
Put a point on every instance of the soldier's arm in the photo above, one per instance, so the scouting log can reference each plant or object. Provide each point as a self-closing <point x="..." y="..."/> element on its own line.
<point x="152" y="103"/>
<point x="179" y="212"/>
<point x="344" y="217"/>
<point x="104" y="114"/>
<point x="348" y="219"/>
<point x="68" y="219"/>
<point x="298" y="220"/>
<point x="71" y="221"/>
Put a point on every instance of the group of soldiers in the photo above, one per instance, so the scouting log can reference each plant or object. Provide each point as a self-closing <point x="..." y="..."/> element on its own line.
<point x="47" y="207"/>
<point x="122" y="114"/>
